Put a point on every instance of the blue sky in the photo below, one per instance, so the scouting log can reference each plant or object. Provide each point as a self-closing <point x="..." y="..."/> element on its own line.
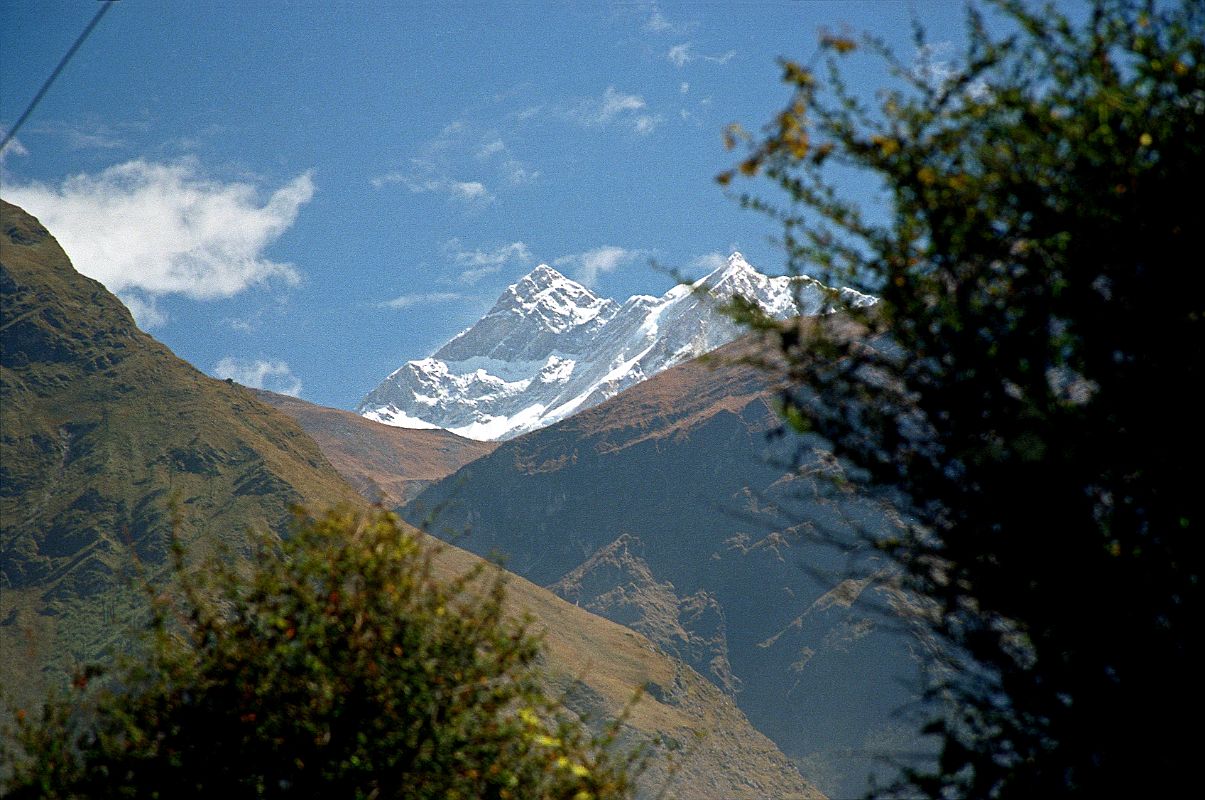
<point x="305" y="195"/>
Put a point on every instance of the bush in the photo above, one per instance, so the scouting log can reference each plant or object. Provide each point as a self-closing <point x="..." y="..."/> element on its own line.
<point x="340" y="666"/>
<point x="1023" y="385"/>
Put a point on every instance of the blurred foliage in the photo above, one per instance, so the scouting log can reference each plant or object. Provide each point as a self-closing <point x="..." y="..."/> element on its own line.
<point x="338" y="666"/>
<point x="1024" y="385"/>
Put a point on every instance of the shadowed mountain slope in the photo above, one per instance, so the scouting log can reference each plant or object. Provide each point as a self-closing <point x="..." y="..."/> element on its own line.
<point x="668" y="508"/>
<point x="109" y="442"/>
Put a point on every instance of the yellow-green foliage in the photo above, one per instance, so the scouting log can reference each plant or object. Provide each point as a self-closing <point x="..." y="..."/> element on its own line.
<point x="339" y="667"/>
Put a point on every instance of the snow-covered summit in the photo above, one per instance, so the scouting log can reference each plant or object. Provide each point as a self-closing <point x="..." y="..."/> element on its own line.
<point x="543" y="312"/>
<point x="550" y="347"/>
<point x="546" y="292"/>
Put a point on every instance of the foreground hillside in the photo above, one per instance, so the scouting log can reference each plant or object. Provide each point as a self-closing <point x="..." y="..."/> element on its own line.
<point x="110" y="442"/>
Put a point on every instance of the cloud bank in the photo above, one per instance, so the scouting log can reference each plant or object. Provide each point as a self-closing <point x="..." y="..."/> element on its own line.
<point x="146" y="230"/>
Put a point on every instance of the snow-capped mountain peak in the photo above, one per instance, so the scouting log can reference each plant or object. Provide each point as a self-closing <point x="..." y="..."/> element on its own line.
<point x="550" y="347"/>
<point x="557" y="299"/>
<point x="541" y="313"/>
<point x="735" y="265"/>
<point x="545" y="277"/>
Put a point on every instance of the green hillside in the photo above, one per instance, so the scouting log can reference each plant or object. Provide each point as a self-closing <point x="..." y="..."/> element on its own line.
<point x="103" y="431"/>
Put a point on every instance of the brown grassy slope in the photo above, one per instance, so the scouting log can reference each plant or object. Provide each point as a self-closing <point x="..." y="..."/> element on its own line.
<point x="385" y="464"/>
<point x="674" y="402"/>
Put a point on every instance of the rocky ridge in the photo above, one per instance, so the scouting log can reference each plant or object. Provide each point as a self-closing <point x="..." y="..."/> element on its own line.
<point x="550" y="348"/>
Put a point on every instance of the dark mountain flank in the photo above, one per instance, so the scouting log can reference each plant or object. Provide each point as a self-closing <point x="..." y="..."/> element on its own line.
<point x="385" y="464"/>
<point x="669" y="509"/>
<point x="108" y="442"/>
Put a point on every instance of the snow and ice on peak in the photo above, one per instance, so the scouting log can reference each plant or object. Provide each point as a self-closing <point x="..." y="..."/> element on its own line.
<point x="550" y="347"/>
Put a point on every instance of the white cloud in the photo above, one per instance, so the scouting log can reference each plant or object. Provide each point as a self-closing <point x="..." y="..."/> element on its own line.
<point x="679" y="55"/>
<point x="275" y="376"/>
<point x="461" y="146"/>
<point x="682" y="54"/>
<point x="657" y="22"/>
<point x="12" y="147"/>
<point x="514" y="171"/>
<point x="98" y="139"/>
<point x="476" y="263"/>
<point x="615" y="107"/>
<point x="471" y="191"/>
<point x="491" y="148"/>
<point x="684" y="87"/>
<point x="147" y="229"/>
<point x="707" y="263"/>
<point x="381" y="181"/>
<point x="145" y="310"/>
<point x="645" y="124"/>
<point x="408" y="300"/>
<point x="615" y="103"/>
<point x="587" y="267"/>
<point x="518" y="173"/>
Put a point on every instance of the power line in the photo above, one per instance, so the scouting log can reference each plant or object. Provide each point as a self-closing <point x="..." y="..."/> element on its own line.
<point x="37" y="98"/>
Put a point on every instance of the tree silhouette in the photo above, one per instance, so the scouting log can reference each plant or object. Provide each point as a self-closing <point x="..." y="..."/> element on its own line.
<point x="1026" y="386"/>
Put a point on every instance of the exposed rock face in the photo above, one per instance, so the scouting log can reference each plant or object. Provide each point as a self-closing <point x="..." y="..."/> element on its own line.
<point x="618" y="584"/>
<point x="550" y="348"/>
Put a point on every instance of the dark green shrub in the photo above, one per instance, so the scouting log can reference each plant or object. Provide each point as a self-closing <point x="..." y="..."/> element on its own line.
<point x="1022" y="390"/>
<point x="339" y="665"/>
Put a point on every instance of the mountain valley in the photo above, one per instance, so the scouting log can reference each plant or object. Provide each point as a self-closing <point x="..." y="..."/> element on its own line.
<point x="674" y="509"/>
<point x="113" y="447"/>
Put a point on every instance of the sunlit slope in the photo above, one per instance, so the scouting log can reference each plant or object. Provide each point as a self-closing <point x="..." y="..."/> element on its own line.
<point x="385" y="463"/>
<point x="104" y="431"/>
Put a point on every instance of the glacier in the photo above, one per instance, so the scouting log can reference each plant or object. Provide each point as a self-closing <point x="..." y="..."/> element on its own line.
<point x="550" y="347"/>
